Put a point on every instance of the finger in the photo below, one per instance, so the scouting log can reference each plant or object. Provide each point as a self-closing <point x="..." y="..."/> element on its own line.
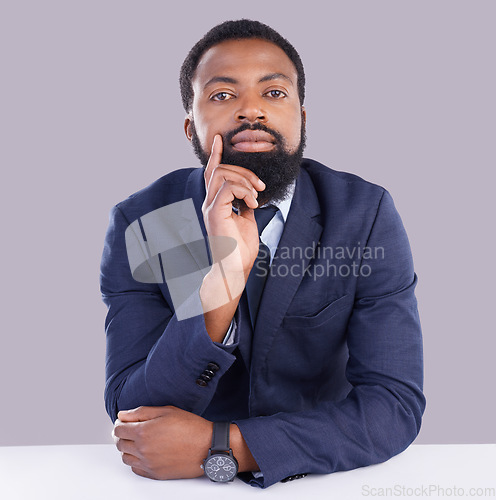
<point x="127" y="446"/>
<point x="233" y="174"/>
<point x="142" y="413"/>
<point x="247" y="213"/>
<point x="229" y="191"/>
<point x="131" y="460"/>
<point x="224" y="169"/>
<point x="114" y="437"/>
<point x="141" y="472"/>
<point x="215" y="158"/>
<point x="127" y="430"/>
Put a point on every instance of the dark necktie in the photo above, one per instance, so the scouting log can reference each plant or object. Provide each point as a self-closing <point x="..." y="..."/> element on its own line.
<point x="258" y="275"/>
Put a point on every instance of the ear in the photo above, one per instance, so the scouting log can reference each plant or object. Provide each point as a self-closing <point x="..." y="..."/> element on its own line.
<point x="304" y="115"/>
<point x="187" y="126"/>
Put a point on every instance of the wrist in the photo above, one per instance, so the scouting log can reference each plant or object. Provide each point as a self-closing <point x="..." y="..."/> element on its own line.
<point x="220" y="286"/>
<point x="218" y="307"/>
<point x="220" y="465"/>
<point x="241" y="451"/>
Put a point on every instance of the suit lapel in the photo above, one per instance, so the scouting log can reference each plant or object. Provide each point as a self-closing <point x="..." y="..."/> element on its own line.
<point x="195" y="189"/>
<point x="301" y="231"/>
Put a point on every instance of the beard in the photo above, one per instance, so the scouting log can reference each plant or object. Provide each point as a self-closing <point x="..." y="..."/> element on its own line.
<point x="278" y="168"/>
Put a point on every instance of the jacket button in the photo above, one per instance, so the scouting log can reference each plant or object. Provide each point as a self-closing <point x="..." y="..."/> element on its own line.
<point x="205" y="377"/>
<point x="201" y="382"/>
<point x="213" y="366"/>
<point x="292" y="478"/>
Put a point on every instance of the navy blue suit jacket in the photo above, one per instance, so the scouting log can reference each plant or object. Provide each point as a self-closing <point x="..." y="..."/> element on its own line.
<point x="331" y="378"/>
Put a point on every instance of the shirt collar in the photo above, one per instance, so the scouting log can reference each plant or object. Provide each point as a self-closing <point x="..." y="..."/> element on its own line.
<point x="285" y="204"/>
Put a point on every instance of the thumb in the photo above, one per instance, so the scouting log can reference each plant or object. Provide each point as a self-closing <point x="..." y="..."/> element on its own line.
<point x="142" y="413"/>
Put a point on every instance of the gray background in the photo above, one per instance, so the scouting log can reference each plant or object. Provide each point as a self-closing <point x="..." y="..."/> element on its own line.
<point x="399" y="92"/>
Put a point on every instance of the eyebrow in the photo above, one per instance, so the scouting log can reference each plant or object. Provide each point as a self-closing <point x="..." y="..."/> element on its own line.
<point x="274" y="76"/>
<point x="220" y="79"/>
<point x="227" y="79"/>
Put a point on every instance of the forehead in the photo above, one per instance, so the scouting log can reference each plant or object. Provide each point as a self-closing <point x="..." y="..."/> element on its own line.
<point x="244" y="59"/>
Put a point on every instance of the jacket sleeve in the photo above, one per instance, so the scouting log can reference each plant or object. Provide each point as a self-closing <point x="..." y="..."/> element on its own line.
<point x="152" y="358"/>
<point x="382" y="413"/>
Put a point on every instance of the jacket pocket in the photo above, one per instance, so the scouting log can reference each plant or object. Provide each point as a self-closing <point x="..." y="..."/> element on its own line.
<point x="321" y="316"/>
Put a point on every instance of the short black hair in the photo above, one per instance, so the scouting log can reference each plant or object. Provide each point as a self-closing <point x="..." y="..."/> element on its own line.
<point x="235" y="30"/>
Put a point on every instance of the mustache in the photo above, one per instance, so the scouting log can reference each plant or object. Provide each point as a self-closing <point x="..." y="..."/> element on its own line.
<point x="279" y="139"/>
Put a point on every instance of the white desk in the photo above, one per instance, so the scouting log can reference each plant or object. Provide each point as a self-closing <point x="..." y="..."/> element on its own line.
<point x="94" y="472"/>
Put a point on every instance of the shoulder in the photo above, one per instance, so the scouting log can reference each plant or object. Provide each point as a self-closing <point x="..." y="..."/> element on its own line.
<point x="168" y="189"/>
<point x="343" y="189"/>
<point x="322" y="173"/>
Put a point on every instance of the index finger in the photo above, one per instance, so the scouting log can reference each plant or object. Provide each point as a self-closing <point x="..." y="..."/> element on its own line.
<point x="215" y="158"/>
<point x="126" y="430"/>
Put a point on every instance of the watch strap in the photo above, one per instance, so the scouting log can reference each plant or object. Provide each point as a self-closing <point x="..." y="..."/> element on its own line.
<point x="220" y="437"/>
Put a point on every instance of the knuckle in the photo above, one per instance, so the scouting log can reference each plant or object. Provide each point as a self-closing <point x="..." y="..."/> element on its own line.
<point x="146" y="462"/>
<point x="140" y="432"/>
<point x="143" y="432"/>
<point x="143" y="450"/>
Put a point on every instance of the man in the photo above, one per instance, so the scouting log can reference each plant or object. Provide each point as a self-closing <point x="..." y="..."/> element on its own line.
<point x="321" y="373"/>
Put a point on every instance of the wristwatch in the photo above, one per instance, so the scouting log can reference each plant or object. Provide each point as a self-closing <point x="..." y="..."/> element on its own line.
<point x="220" y="465"/>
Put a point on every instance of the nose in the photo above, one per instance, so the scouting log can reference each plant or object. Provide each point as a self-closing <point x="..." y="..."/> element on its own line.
<point x="250" y="109"/>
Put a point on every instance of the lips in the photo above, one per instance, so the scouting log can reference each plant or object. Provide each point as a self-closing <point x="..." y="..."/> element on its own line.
<point x="253" y="141"/>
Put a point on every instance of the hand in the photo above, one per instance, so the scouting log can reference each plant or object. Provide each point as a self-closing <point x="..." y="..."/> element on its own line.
<point x="224" y="283"/>
<point x="224" y="183"/>
<point x="163" y="442"/>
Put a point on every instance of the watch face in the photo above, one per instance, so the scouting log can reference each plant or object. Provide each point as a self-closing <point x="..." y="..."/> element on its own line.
<point x="221" y="468"/>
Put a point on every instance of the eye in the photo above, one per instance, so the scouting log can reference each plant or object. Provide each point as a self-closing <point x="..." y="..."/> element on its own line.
<point x="222" y="96"/>
<point x="276" y="94"/>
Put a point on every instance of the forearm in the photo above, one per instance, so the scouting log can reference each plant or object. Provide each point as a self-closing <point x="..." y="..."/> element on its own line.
<point x="217" y="317"/>
<point x="161" y="368"/>
<point x="368" y="427"/>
